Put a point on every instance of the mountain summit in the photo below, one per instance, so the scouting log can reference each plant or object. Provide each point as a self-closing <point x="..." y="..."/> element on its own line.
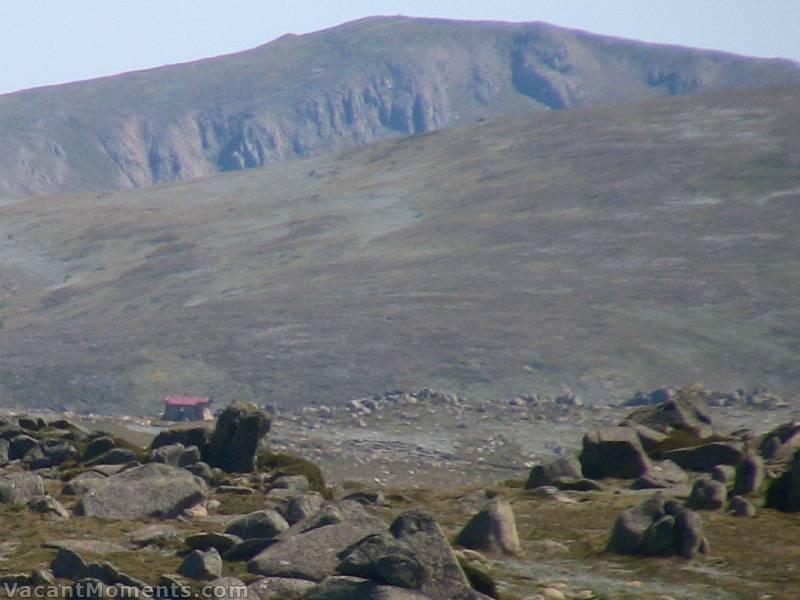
<point x="350" y="85"/>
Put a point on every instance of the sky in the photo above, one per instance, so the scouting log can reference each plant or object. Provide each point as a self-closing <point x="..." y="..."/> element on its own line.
<point x="45" y="42"/>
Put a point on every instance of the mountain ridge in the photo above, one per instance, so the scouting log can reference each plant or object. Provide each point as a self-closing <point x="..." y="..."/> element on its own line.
<point x="603" y="248"/>
<point x="354" y="84"/>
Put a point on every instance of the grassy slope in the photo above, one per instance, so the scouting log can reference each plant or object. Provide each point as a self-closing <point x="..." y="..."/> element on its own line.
<point x="608" y="248"/>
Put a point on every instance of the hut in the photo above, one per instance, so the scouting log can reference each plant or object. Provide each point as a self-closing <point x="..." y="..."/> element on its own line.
<point x="187" y="408"/>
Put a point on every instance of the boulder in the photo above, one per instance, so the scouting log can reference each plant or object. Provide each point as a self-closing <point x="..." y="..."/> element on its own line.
<point x="97" y="446"/>
<point x="444" y="578"/>
<point x="382" y="558"/>
<point x="613" y="452"/>
<point x="81" y="483"/>
<point x="684" y="416"/>
<point x="632" y="524"/>
<point x="42" y="577"/>
<point x="492" y="530"/>
<point x="67" y="564"/>
<point x="707" y="494"/>
<point x="100" y="571"/>
<point x="779" y="445"/>
<point x="20" y="487"/>
<point x="176" y="455"/>
<point x="48" y="506"/>
<point x="31" y="423"/>
<point x="301" y="507"/>
<point x="154" y="535"/>
<point x="658" y="527"/>
<point x="724" y="474"/>
<point x="195" y="434"/>
<point x="259" y="524"/>
<point x="659" y="537"/>
<point x="742" y="507"/>
<point x="152" y="490"/>
<point x="649" y="438"/>
<point x="662" y="474"/>
<point x="312" y="554"/>
<point x="239" y="435"/>
<point x="749" y="475"/>
<point x="784" y="491"/>
<point x="203" y="471"/>
<point x="281" y="587"/>
<point x="294" y="483"/>
<point x="49" y="453"/>
<point x="201" y="566"/>
<point x="247" y="549"/>
<point x="554" y="472"/>
<point x="231" y="588"/>
<point x="707" y="456"/>
<point x="20" y="445"/>
<point x="689" y="538"/>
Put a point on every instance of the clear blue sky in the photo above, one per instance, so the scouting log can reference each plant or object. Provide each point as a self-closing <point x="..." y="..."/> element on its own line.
<point x="53" y="41"/>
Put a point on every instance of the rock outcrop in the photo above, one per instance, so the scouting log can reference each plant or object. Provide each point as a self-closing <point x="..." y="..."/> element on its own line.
<point x="239" y="435"/>
<point x="20" y="487"/>
<point x="153" y="489"/>
<point x="315" y="93"/>
<point x="658" y="527"/>
<point x="493" y="530"/>
<point x="613" y="452"/>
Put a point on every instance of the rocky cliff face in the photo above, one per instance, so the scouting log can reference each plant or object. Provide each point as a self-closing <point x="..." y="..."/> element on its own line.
<point x="354" y="84"/>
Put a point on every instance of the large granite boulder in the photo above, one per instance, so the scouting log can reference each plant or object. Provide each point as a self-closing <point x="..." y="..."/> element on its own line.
<point x="613" y="452"/>
<point x="382" y="558"/>
<point x="493" y="530"/>
<point x="239" y="435"/>
<point x="20" y="487"/>
<point x="312" y="554"/>
<point x="444" y="579"/>
<point x="150" y="490"/>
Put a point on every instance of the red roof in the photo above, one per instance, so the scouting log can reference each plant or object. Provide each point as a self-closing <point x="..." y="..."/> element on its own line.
<point x="186" y="400"/>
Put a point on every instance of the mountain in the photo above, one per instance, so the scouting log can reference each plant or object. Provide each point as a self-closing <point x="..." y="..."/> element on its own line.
<point x="355" y="84"/>
<point x="608" y="248"/>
